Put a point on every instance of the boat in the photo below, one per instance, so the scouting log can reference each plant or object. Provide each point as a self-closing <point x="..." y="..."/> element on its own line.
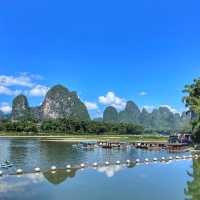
<point x="110" y="145"/>
<point x="86" y="145"/>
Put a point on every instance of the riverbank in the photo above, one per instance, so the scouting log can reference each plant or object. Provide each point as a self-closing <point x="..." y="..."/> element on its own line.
<point x="78" y="138"/>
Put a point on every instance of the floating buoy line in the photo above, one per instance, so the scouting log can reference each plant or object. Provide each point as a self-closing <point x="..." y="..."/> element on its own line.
<point x="69" y="167"/>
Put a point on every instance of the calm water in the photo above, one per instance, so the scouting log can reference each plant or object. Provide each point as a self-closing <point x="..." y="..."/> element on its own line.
<point x="177" y="180"/>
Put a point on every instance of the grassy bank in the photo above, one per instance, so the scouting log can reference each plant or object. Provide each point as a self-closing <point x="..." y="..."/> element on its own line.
<point x="70" y="137"/>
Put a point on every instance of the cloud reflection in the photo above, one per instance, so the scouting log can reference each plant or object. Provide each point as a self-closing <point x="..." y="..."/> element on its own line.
<point x="110" y="170"/>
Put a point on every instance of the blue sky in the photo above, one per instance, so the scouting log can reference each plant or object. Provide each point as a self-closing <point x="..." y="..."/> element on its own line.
<point x="108" y="51"/>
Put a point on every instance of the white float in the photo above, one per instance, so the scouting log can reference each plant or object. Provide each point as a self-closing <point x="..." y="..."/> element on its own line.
<point x="19" y="171"/>
<point x="128" y="161"/>
<point x="146" y="160"/>
<point x="53" y="168"/>
<point x="155" y="159"/>
<point x="163" y="159"/>
<point x="118" y="162"/>
<point x="68" y="166"/>
<point x="170" y="158"/>
<point x="95" y="164"/>
<point x="107" y="163"/>
<point x="37" y="169"/>
<point x="82" y="165"/>
<point x="1" y="173"/>
<point x="137" y="160"/>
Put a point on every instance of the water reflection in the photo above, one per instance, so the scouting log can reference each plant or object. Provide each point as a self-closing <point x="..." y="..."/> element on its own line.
<point x="30" y="153"/>
<point x="192" y="191"/>
<point x="63" y="175"/>
<point x="110" y="170"/>
<point x="19" y="149"/>
<point x="59" y="176"/>
<point x="125" y="183"/>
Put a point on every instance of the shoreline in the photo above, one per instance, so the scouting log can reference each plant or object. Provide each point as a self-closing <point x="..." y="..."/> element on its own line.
<point x="79" y="138"/>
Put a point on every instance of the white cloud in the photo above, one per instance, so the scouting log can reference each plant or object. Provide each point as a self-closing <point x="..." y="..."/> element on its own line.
<point x="149" y="108"/>
<point x="5" y="107"/>
<point x="174" y="110"/>
<point x="91" y="105"/>
<point x="21" y="80"/>
<point x="143" y="93"/>
<point x="7" y="91"/>
<point x="38" y="90"/>
<point x="110" y="99"/>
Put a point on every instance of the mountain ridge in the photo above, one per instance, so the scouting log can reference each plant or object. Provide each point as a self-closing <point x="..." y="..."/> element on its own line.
<point x="160" y="118"/>
<point x="59" y="102"/>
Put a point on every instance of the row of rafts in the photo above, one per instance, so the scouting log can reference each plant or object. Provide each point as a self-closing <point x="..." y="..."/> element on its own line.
<point x="128" y="162"/>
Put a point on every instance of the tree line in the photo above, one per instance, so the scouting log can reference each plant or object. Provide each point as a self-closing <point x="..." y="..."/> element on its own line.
<point x="69" y="126"/>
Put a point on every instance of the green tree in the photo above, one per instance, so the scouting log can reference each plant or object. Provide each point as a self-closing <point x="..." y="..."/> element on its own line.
<point x="192" y="102"/>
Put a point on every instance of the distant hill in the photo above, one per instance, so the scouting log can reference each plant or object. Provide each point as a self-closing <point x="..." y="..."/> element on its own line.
<point x="59" y="102"/>
<point x="4" y="115"/>
<point x="161" y="118"/>
<point x="1" y="115"/>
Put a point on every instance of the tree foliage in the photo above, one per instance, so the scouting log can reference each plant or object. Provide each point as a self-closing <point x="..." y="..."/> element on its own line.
<point x="192" y="102"/>
<point x="70" y="126"/>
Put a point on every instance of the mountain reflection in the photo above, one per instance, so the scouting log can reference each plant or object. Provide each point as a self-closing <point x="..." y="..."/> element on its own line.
<point x="59" y="176"/>
<point x="62" y="175"/>
<point x="192" y="191"/>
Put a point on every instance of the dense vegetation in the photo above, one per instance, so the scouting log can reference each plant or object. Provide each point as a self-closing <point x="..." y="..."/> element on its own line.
<point x="192" y="102"/>
<point x="69" y="126"/>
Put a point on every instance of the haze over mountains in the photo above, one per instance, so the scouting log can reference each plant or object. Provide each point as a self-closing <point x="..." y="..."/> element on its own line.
<point x="161" y="118"/>
<point x="59" y="102"/>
